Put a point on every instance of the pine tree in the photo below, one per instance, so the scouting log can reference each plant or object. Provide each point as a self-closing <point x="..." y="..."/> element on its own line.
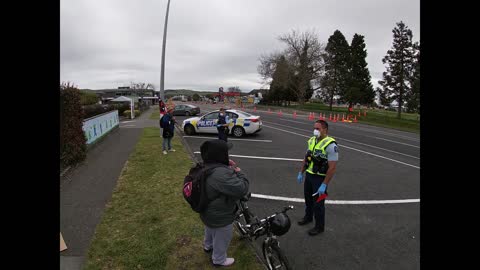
<point x="399" y="60"/>
<point x="360" y="89"/>
<point x="413" y="97"/>
<point x="279" y="87"/>
<point x="336" y="66"/>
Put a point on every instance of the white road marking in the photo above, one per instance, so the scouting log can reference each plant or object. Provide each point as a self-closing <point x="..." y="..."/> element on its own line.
<point x="287" y="199"/>
<point x="228" y="139"/>
<point x="257" y="157"/>
<point x="349" y="148"/>
<point x="359" y="128"/>
<point x="397" y="142"/>
<point x="388" y="150"/>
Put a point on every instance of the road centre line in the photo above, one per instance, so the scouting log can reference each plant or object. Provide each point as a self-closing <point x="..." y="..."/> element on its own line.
<point x="397" y="142"/>
<point x="362" y="129"/>
<point x="257" y="157"/>
<point x="363" y="144"/>
<point x="349" y="148"/>
<point x="230" y="139"/>
<point x="279" y="198"/>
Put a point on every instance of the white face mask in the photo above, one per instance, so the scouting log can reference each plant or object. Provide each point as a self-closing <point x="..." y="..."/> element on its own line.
<point x="316" y="132"/>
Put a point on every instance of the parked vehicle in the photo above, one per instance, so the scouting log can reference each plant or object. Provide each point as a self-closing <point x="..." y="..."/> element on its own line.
<point x="186" y="109"/>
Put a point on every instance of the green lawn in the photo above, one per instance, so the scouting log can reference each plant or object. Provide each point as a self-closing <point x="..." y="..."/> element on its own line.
<point x="156" y="113"/>
<point x="377" y="117"/>
<point x="147" y="224"/>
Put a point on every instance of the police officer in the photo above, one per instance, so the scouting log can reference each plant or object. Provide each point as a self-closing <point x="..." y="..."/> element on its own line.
<point x="320" y="164"/>
<point x="222" y="125"/>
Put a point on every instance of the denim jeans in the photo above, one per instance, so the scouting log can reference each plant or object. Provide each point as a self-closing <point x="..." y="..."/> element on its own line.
<point x="167" y="141"/>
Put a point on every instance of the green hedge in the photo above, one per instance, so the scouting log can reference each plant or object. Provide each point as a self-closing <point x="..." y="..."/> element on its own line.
<point x="96" y="109"/>
<point x="126" y="113"/>
<point x="73" y="147"/>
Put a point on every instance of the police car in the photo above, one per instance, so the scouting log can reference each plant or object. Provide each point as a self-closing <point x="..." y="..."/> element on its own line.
<point x="241" y="123"/>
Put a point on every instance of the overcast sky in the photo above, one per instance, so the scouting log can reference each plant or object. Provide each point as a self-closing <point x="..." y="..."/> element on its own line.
<point x="210" y="43"/>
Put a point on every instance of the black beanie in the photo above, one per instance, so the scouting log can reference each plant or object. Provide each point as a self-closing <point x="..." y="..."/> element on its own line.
<point x="214" y="151"/>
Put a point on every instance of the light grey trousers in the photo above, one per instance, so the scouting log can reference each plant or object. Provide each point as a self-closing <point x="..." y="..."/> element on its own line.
<point x="219" y="240"/>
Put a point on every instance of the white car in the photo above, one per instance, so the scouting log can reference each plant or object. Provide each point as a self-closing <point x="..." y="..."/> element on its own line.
<point x="241" y="123"/>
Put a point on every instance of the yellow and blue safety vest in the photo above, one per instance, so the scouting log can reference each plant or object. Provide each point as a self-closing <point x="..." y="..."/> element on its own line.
<point x="319" y="158"/>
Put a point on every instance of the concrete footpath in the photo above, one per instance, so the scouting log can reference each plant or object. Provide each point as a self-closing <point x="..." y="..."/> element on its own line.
<point x="86" y="189"/>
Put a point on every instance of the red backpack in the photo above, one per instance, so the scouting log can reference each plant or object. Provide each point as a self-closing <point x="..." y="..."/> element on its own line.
<point x="194" y="191"/>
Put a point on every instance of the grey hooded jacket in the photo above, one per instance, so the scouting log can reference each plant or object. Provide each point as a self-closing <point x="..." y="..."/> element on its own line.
<point x="224" y="188"/>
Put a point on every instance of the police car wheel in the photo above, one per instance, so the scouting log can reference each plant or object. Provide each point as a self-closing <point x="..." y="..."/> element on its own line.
<point x="187" y="113"/>
<point x="189" y="130"/>
<point x="238" y="131"/>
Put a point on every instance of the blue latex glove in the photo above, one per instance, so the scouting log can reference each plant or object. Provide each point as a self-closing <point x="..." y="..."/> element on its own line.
<point x="300" y="177"/>
<point x="321" y="189"/>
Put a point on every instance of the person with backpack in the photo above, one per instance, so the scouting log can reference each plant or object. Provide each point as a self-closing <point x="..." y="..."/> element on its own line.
<point x="224" y="186"/>
<point x="167" y="122"/>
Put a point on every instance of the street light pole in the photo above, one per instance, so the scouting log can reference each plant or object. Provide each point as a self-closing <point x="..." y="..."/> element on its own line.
<point x="162" y="74"/>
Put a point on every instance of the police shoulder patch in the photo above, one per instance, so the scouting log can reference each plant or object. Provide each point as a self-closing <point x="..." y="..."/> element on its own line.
<point x="335" y="148"/>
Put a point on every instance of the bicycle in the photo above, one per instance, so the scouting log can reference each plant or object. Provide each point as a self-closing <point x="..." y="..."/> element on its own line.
<point x="249" y="226"/>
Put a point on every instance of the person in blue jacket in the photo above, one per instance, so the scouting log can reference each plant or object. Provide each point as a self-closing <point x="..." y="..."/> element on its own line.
<point x="168" y="125"/>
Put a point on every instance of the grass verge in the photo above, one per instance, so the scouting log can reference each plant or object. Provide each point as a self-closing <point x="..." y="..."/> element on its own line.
<point x="155" y="114"/>
<point x="147" y="224"/>
<point x="376" y="117"/>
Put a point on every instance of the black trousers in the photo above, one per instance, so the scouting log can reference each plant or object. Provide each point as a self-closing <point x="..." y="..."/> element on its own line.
<point x="222" y="135"/>
<point x="312" y="208"/>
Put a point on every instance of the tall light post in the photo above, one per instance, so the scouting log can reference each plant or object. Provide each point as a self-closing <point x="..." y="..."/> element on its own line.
<point x="162" y="73"/>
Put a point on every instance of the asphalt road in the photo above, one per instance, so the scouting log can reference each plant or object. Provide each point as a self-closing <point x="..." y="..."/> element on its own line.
<point x="365" y="229"/>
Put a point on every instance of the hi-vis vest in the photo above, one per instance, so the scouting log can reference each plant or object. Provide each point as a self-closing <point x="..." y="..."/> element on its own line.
<point x="221" y="119"/>
<point x="319" y="153"/>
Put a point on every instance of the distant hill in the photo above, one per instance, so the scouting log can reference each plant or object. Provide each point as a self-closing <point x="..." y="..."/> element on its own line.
<point x="255" y="91"/>
<point x="185" y="92"/>
<point x="188" y="92"/>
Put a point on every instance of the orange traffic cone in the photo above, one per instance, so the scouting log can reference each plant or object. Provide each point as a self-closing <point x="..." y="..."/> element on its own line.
<point x="355" y="119"/>
<point x="295" y="114"/>
<point x="280" y="113"/>
<point x="269" y="112"/>
<point x="255" y="109"/>
<point x="330" y="117"/>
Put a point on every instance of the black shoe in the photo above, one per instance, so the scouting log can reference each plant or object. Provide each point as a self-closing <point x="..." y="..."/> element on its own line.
<point x="304" y="221"/>
<point x="207" y="250"/>
<point x="315" y="231"/>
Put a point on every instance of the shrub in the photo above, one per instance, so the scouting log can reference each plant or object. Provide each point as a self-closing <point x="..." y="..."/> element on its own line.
<point x="88" y="97"/>
<point x="96" y="109"/>
<point x="73" y="147"/>
<point x="126" y="113"/>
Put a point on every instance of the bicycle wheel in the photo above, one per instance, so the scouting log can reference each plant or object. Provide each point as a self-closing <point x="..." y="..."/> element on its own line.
<point x="243" y="217"/>
<point x="239" y="223"/>
<point x="274" y="256"/>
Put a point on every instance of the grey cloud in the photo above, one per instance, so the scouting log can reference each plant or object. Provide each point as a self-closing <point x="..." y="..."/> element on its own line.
<point x="210" y="43"/>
